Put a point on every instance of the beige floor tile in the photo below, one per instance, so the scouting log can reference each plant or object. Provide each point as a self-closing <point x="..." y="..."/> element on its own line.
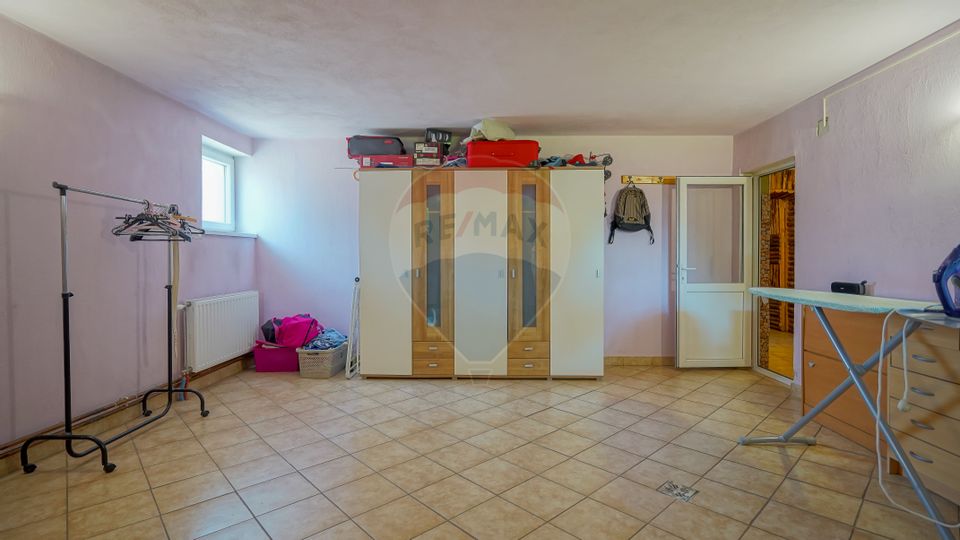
<point x="272" y="494"/>
<point x="111" y="515"/>
<point x="385" y="455"/>
<point x="902" y="492"/>
<point x="364" y="494"/>
<point x="54" y="528"/>
<point x="245" y="530"/>
<point x="528" y="429"/>
<point x="286" y="440"/>
<point x="161" y="435"/>
<point x="468" y="406"/>
<point x="452" y="496"/>
<point x="436" y="416"/>
<point x="731" y="502"/>
<point x="399" y="520"/>
<point x="723" y="430"/>
<point x="400" y="427"/>
<point x="652" y="533"/>
<point x="654" y="474"/>
<point x="708" y="444"/>
<point x="496" y="441"/>
<point x="534" y="457"/>
<point x="676" y="418"/>
<point x="632" y="498"/>
<point x="829" y="477"/>
<point x="497" y="475"/>
<point x="608" y="458"/>
<point x="444" y="531"/>
<point x="579" y="476"/>
<point x="542" y="498"/>
<point x="226" y="437"/>
<point x="337" y="426"/>
<point x="277" y="425"/>
<point x="634" y="443"/>
<point x="592" y="429"/>
<point x="336" y="472"/>
<point x="745" y="478"/>
<point x="797" y="524"/>
<point x="893" y="523"/>
<point x="629" y="412"/>
<point x="856" y="463"/>
<point x="173" y="471"/>
<point x="657" y="430"/>
<point x="347" y="530"/>
<point x="361" y="439"/>
<point x="590" y="519"/>
<point x="107" y="487"/>
<point x="301" y="519"/>
<point x="495" y="416"/>
<point x="701" y="396"/>
<point x="565" y="442"/>
<point x="690" y="521"/>
<point x="413" y="405"/>
<point x="685" y="459"/>
<point x="206" y="517"/>
<point x="378" y="415"/>
<point x="549" y="532"/>
<point x="770" y="460"/>
<point x="357" y="405"/>
<point x="754" y="533"/>
<point x="416" y="474"/>
<point x="464" y="428"/>
<point x="579" y="407"/>
<point x="428" y="440"/>
<point x="822" y="501"/>
<point x="555" y="417"/>
<point x="460" y="456"/>
<point x="241" y="453"/>
<point x="497" y="519"/>
<point x="173" y="452"/>
<point x="312" y="454"/>
<point x="148" y="529"/>
<point x="212" y="424"/>
<point x="191" y="491"/>
<point x="256" y="471"/>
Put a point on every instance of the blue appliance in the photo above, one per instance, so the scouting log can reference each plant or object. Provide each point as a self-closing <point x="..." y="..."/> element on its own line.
<point x="947" y="281"/>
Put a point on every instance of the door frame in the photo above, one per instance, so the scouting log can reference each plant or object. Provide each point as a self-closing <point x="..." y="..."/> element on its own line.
<point x="790" y="163"/>
<point x="747" y="246"/>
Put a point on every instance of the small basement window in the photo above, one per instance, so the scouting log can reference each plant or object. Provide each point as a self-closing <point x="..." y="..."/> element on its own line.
<point x="219" y="183"/>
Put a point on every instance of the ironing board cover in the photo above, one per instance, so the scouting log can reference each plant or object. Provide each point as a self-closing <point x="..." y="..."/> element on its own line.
<point x="840" y="301"/>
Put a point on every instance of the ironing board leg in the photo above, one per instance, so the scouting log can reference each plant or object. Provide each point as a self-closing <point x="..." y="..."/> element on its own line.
<point x="895" y="449"/>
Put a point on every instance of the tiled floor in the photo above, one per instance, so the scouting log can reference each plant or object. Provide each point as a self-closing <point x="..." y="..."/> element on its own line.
<point x="296" y="458"/>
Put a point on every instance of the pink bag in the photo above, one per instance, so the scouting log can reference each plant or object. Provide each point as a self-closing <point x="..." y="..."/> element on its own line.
<point x="297" y="331"/>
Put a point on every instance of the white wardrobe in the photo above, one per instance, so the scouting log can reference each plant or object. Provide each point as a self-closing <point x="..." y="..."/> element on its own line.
<point x="481" y="272"/>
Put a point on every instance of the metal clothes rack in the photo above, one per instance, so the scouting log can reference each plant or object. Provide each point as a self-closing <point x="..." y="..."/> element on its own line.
<point x="67" y="435"/>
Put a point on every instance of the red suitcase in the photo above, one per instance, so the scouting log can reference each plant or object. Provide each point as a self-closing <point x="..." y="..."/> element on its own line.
<point x="502" y="153"/>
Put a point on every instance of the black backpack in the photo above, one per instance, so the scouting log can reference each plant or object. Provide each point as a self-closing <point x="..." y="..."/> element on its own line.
<point x="631" y="212"/>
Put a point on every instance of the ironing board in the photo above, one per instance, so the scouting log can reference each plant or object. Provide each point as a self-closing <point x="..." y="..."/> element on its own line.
<point x="915" y="315"/>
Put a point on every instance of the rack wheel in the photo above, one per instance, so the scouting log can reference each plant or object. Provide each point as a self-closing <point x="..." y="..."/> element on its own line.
<point x="29" y="468"/>
<point x="147" y="413"/>
<point x="204" y="413"/>
<point x="109" y="468"/>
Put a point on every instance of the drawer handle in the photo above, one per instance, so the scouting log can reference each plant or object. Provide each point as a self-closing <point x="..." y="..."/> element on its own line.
<point x="528" y="366"/>
<point x="921" y="425"/>
<point x="811" y="364"/>
<point x="528" y="348"/>
<point x="918" y="457"/>
<point x="921" y="391"/>
<point x="433" y="364"/>
<point x="432" y="348"/>
<point x="921" y="358"/>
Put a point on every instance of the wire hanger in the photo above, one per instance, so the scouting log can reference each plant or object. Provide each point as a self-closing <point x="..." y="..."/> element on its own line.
<point x="154" y="224"/>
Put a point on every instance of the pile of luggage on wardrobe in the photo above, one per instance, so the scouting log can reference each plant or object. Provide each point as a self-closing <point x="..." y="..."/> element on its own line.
<point x="287" y="339"/>
<point x="491" y="144"/>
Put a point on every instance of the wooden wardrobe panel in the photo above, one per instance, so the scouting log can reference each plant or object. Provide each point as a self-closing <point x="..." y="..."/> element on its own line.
<point x="425" y="180"/>
<point x="517" y="221"/>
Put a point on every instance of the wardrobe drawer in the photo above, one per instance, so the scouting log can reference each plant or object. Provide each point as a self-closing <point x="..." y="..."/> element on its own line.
<point x="927" y="392"/>
<point x="931" y="461"/>
<point x="927" y="426"/>
<point x="821" y="375"/>
<point x="528" y="367"/>
<point x="528" y="349"/>
<point x="929" y="334"/>
<point x="440" y="367"/>
<point x="929" y="360"/>
<point x="432" y="350"/>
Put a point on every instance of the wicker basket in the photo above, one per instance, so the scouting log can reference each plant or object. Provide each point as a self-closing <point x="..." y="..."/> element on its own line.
<point x="322" y="364"/>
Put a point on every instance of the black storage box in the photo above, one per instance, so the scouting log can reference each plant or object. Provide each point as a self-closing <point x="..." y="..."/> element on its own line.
<point x="363" y="145"/>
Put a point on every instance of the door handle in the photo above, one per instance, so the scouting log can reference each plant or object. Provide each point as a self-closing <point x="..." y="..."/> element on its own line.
<point x="418" y="273"/>
<point x="685" y="268"/>
<point x="513" y="273"/>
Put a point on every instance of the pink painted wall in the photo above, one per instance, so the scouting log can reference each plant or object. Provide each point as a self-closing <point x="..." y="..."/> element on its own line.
<point x="877" y="196"/>
<point x="65" y="117"/>
<point x="301" y="199"/>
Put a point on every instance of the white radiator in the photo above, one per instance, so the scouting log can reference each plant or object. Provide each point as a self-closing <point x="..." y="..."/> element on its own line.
<point x="220" y="328"/>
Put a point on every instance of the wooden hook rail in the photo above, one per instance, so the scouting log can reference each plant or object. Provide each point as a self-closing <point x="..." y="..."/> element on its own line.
<point x="630" y="179"/>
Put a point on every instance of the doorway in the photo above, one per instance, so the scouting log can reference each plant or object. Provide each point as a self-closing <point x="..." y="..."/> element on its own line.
<point x="776" y="253"/>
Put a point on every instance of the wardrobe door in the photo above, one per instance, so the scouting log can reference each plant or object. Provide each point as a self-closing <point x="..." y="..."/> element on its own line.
<point x="480" y="255"/>
<point x="432" y="280"/>
<point x="528" y="283"/>
<point x="385" y="251"/>
<point x="577" y="228"/>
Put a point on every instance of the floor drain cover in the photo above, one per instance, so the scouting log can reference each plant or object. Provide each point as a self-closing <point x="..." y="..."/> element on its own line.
<point x="683" y="493"/>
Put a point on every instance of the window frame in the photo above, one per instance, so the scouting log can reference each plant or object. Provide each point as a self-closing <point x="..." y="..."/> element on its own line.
<point x="230" y="190"/>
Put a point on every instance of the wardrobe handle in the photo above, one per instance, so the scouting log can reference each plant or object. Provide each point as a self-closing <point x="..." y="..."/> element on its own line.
<point x="921" y="391"/>
<point x="528" y="366"/>
<point x="432" y="348"/>
<point x="528" y="348"/>
<point x="513" y="273"/>
<point x="918" y="457"/>
<point x="432" y="364"/>
<point x="921" y="425"/>
<point x="921" y="358"/>
<point x="418" y="273"/>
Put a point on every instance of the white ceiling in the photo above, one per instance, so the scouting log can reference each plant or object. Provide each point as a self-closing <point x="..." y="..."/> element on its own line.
<point x="333" y="67"/>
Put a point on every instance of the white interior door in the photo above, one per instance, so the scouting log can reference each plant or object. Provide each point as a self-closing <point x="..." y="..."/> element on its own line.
<point x="713" y="272"/>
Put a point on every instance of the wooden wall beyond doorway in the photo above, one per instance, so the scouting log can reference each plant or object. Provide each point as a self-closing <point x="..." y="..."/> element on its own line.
<point x="777" y="253"/>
